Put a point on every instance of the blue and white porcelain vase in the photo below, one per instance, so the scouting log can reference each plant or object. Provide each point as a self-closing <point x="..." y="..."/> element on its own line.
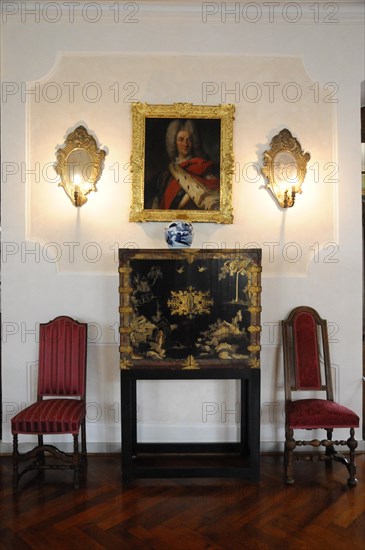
<point x="179" y="234"/>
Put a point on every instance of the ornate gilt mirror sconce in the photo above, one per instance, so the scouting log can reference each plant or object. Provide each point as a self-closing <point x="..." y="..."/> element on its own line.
<point x="285" y="167"/>
<point x="79" y="165"/>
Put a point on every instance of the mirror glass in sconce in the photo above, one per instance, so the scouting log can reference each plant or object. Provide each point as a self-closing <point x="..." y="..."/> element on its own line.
<point x="79" y="165"/>
<point x="285" y="167"/>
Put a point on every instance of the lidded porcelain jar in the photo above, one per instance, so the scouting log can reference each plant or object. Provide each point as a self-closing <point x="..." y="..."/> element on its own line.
<point x="179" y="234"/>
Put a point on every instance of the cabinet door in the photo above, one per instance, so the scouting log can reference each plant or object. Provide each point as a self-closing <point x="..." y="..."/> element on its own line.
<point x="203" y="305"/>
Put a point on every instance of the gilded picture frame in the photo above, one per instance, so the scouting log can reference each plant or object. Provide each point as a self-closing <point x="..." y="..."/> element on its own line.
<point x="189" y="308"/>
<point x="182" y="162"/>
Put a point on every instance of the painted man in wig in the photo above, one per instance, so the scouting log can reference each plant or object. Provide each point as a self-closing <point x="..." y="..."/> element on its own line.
<point x="191" y="182"/>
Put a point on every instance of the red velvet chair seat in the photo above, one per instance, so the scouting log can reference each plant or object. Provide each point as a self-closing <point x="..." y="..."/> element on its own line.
<point x="51" y="416"/>
<point x="319" y="413"/>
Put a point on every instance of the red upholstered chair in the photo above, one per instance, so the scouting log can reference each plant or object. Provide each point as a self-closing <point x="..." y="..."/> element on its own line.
<point x="60" y="406"/>
<point x="307" y="368"/>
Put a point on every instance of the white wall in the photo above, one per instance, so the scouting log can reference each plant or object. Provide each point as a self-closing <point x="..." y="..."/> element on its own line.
<point x="305" y="65"/>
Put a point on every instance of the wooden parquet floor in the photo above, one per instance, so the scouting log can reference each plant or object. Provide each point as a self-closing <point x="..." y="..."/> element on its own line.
<point x="318" y="512"/>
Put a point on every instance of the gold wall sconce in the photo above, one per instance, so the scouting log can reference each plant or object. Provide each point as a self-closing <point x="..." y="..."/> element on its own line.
<point x="79" y="165"/>
<point x="285" y="167"/>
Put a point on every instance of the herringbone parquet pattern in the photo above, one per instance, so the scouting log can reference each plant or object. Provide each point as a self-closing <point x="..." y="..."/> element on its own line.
<point x="319" y="511"/>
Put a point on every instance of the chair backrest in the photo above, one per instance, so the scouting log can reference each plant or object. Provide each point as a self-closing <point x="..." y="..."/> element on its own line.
<point x="305" y="338"/>
<point x="62" y="358"/>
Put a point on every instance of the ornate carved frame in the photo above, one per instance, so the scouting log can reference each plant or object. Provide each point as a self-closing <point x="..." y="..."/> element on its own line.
<point x="190" y="308"/>
<point x="79" y="141"/>
<point x="142" y="113"/>
<point x="286" y="187"/>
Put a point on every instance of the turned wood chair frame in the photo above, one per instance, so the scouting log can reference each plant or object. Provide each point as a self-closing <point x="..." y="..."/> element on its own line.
<point x="41" y="452"/>
<point x="325" y="379"/>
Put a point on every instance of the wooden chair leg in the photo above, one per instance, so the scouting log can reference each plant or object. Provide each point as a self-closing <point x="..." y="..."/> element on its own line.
<point x="40" y="455"/>
<point x="15" y="462"/>
<point x="330" y="449"/>
<point x="288" y="456"/>
<point x="83" y="442"/>
<point x="352" y="444"/>
<point x="330" y="452"/>
<point x="76" y="462"/>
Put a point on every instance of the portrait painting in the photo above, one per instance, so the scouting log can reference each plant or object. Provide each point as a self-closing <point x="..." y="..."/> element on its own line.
<point x="182" y="163"/>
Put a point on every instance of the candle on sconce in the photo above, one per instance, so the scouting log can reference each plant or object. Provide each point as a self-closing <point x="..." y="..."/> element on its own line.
<point x="77" y="181"/>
